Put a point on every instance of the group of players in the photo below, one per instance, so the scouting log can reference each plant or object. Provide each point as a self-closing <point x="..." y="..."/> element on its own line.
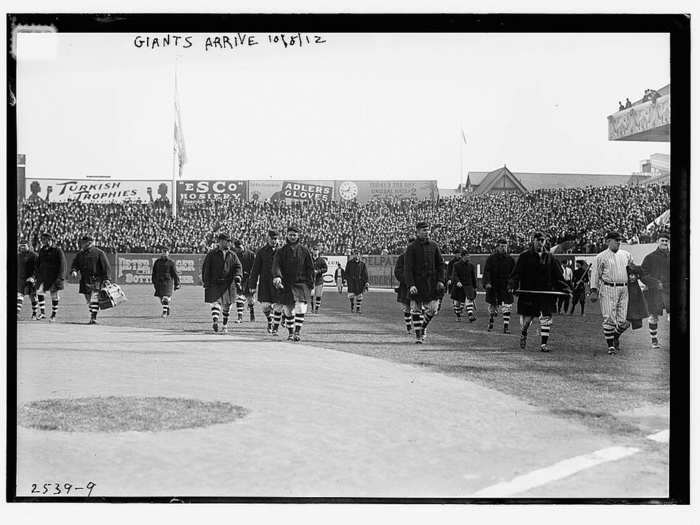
<point x="288" y="277"/>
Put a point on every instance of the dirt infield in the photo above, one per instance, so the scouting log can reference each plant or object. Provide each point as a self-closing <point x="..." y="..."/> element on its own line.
<point x="443" y="420"/>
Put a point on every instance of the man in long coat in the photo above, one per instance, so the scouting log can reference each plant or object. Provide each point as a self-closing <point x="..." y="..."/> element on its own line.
<point x="221" y="276"/>
<point x="463" y="286"/>
<point x="357" y="279"/>
<point x="94" y="269"/>
<point x="401" y="290"/>
<point x="293" y="276"/>
<point x="267" y="293"/>
<point x="320" y="269"/>
<point x="27" y="265"/>
<point x="424" y="274"/>
<point x="656" y="275"/>
<point x="497" y="270"/>
<point x="247" y="259"/>
<point x="51" y="275"/>
<point x="165" y="279"/>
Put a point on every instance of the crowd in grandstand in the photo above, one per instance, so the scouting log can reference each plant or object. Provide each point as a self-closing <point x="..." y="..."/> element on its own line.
<point x="577" y="217"/>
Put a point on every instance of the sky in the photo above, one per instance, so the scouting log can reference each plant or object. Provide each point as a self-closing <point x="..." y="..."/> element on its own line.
<point x="355" y="106"/>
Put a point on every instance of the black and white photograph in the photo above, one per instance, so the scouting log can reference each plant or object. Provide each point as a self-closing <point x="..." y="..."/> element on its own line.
<point x="348" y="258"/>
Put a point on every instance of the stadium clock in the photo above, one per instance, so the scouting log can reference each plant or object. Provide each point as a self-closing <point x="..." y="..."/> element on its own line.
<point x="348" y="190"/>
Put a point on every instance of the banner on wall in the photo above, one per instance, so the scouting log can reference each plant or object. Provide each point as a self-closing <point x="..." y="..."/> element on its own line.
<point x="366" y="190"/>
<point x="332" y="262"/>
<point x="135" y="268"/>
<point x="98" y="192"/>
<point x="291" y="190"/>
<point x="191" y="191"/>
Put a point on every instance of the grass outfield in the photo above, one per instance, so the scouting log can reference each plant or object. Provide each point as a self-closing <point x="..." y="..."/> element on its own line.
<point x="626" y="394"/>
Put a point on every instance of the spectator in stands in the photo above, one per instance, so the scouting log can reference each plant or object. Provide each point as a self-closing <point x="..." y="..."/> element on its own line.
<point x="628" y="104"/>
<point x="620" y="107"/>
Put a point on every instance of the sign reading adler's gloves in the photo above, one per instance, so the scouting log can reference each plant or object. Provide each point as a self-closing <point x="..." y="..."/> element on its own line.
<point x="111" y="295"/>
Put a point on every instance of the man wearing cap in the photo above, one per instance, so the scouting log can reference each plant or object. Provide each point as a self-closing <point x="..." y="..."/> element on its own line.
<point x="221" y="275"/>
<point x="293" y="276"/>
<point x="579" y="281"/>
<point x="656" y="273"/>
<point x="401" y="290"/>
<point x="94" y="269"/>
<point x="425" y="277"/>
<point x="247" y="258"/>
<point x="609" y="282"/>
<point x="464" y="286"/>
<point x="497" y="270"/>
<point x="165" y="279"/>
<point x="563" y="300"/>
<point x="357" y="280"/>
<point x="538" y="277"/>
<point x="52" y="273"/>
<point x="27" y="269"/>
<point x="267" y="294"/>
<point x="320" y="269"/>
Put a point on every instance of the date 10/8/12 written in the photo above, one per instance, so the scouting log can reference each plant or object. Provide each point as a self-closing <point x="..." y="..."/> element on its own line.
<point x="62" y="489"/>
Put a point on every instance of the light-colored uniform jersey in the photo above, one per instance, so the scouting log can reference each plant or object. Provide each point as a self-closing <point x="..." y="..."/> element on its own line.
<point x="609" y="277"/>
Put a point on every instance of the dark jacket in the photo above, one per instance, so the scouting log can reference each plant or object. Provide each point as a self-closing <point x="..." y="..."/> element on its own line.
<point x="656" y="275"/>
<point x="448" y="274"/>
<point x="424" y="268"/>
<point x="465" y="273"/>
<point x="533" y="272"/>
<point x="497" y="271"/>
<point x="247" y="259"/>
<point x="401" y="290"/>
<point x="356" y="276"/>
<point x="52" y="268"/>
<point x="339" y="273"/>
<point x="219" y="272"/>
<point x="164" y="277"/>
<point x="293" y="264"/>
<point x="27" y="266"/>
<point x="94" y="269"/>
<point x="636" y="304"/>
<point x="320" y="269"/>
<point x="262" y="269"/>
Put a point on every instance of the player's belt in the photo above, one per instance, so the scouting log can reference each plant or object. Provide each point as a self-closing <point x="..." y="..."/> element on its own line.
<point x="614" y="284"/>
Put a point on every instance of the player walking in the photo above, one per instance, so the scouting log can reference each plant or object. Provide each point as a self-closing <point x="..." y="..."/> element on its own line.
<point x="424" y="274"/>
<point x="94" y="269"/>
<point x="27" y="268"/>
<point x="497" y="271"/>
<point x="339" y="278"/>
<point x="358" y="282"/>
<point x="267" y="294"/>
<point x="464" y="286"/>
<point x="165" y="279"/>
<point x="579" y="281"/>
<point x="221" y="276"/>
<point x="537" y="271"/>
<point x="563" y="300"/>
<point x="293" y="276"/>
<point x="246" y="257"/>
<point x="609" y="275"/>
<point x="401" y="290"/>
<point x="656" y="274"/>
<point x="320" y="269"/>
<point x="52" y="273"/>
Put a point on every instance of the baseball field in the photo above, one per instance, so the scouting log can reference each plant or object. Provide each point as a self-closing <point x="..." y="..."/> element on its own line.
<point x="143" y="406"/>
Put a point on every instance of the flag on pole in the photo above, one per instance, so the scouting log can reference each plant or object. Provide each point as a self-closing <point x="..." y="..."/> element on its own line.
<point x="179" y="135"/>
<point x="464" y="137"/>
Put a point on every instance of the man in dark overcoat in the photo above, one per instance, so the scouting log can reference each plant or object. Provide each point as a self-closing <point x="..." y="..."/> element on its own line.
<point x="27" y="271"/>
<point x="537" y="271"/>
<point x="221" y="276"/>
<point x="578" y="284"/>
<point x="268" y="295"/>
<point x="656" y="276"/>
<point x="293" y="276"/>
<point x="320" y="269"/>
<point x="94" y="269"/>
<point x="497" y="270"/>
<point x="425" y="277"/>
<point x="357" y="279"/>
<point x="51" y="275"/>
<point x="464" y="286"/>
<point x="401" y="290"/>
<point x="165" y="279"/>
<point x="247" y="258"/>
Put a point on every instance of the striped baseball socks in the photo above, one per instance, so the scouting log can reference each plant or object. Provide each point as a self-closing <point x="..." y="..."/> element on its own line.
<point x="276" y="319"/>
<point x="42" y="306"/>
<point x="409" y="322"/>
<point x="352" y="304"/>
<point x="318" y="304"/>
<point x="418" y="325"/>
<point x="165" y="302"/>
<point x="20" y="303"/>
<point x="506" y="322"/>
<point x="458" y="310"/>
<point x="653" y="332"/>
<point x="609" y="334"/>
<point x="215" y="313"/>
<point x="470" y="311"/>
<point x="239" y="310"/>
<point x="359" y="305"/>
<point x="298" y="323"/>
<point x="54" y="309"/>
<point x="94" y="308"/>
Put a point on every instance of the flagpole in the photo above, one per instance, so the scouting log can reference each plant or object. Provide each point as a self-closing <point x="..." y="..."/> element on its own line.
<point x="173" y="190"/>
<point x="461" y="164"/>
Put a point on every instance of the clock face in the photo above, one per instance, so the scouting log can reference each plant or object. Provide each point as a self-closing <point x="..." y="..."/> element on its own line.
<point x="348" y="190"/>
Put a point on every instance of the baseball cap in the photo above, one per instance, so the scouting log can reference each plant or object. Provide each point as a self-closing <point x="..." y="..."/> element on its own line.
<point x="613" y="235"/>
<point x="293" y="228"/>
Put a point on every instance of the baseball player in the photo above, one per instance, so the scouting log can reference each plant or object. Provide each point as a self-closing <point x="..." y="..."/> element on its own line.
<point x="656" y="274"/>
<point x="165" y="279"/>
<point x="358" y="282"/>
<point x="221" y="276"/>
<point x="339" y="277"/>
<point x="246" y="257"/>
<point x="27" y="266"/>
<point x="320" y="269"/>
<point x="52" y="273"/>
<point x="497" y="270"/>
<point x="401" y="290"/>
<point x="267" y="294"/>
<point x="609" y="283"/>
<point x="464" y="286"/>
<point x="93" y="266"/>
<point x="579" y="281"/>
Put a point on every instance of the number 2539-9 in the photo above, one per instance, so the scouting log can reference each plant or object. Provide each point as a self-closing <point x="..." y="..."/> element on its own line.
<point x="62" y="489"/>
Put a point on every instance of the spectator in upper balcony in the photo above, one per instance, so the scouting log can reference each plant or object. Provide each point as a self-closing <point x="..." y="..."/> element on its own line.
<point x="620" y="107"/>
<point x="628" y="104"/>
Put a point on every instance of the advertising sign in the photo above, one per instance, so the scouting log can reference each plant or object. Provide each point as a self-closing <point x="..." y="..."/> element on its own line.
<point x="135" y="268"/>
<point x="332" y="261"/>
<point x="92" y="191"/>
<point x="291" y="190"/>
<point x="190" y="191"/>
<point x="366" y="190"/>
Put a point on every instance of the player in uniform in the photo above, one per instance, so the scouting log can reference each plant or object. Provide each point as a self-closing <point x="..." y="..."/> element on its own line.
<point x="267" y="294"/>
<point x="94" y="269"/>
<point x="424" y="275"/>
<point x="401" y="290"/>
<point x="579" y="281"/>
<point x="246" y="257"/>
<point x="609" y="282"/>
<point x="563" y="300"/>
<point x="165" y="279"/>
<point x="497" y="271"/>
<point x="221" y="276"/>
<point x="293" y="276"/>
<point x="358" y="282"/>
<point x="450" y="267"/>
<point x="52" y="274"/>
<point x="339" y="278"/>
<point x="656" y="274"/>
<point x="537" y="271"/>
<point x="320" y="269"/>
<point x="27" y="269"/>
<point x="464" y="286"/>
